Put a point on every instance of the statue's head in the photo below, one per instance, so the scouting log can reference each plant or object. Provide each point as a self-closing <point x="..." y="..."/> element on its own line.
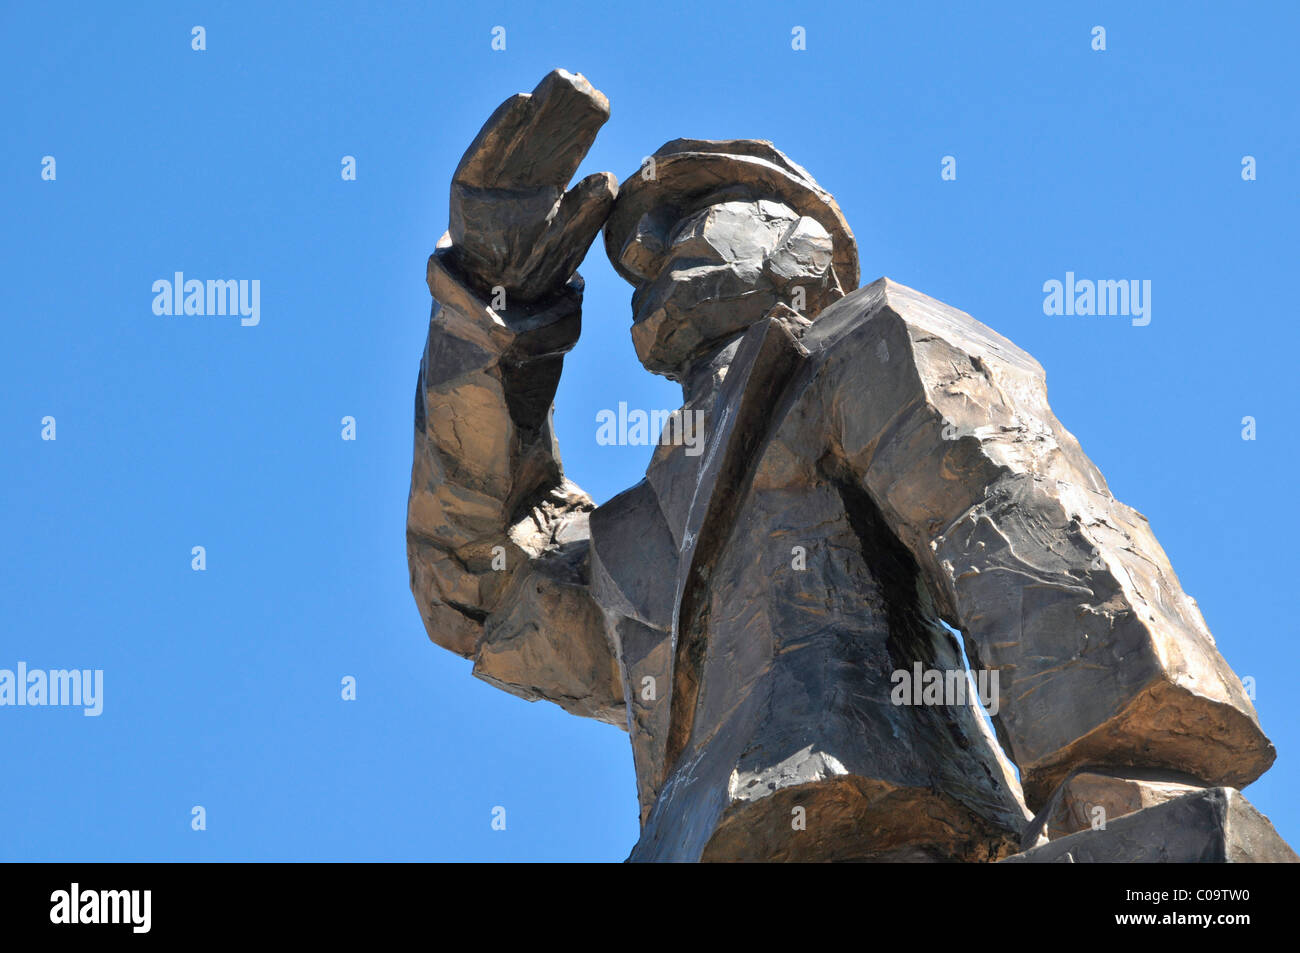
<point x="713" y="235"/>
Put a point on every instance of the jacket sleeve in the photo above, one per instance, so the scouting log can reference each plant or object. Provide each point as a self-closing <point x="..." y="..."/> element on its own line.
<point x="497" y="539"/>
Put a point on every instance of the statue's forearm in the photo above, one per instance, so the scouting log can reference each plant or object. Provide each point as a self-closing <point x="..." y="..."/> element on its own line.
<point x="488" y="494"/>
<point x="497" y="538"/>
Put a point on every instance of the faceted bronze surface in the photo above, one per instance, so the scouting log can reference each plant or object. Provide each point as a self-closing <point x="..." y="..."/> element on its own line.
<point x="874" y="463"/>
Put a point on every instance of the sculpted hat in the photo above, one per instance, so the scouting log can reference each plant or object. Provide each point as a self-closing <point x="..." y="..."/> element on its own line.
<point x="689" y="174"/>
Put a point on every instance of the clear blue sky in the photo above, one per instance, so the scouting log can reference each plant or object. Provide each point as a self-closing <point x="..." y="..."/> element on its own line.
<point x="222" y="688"/>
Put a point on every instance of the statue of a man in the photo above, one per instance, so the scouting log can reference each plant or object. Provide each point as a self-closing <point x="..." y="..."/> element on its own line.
<point x="763" y="612"/>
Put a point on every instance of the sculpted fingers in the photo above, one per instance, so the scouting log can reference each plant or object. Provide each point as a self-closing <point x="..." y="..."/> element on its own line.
<point x="568" y="112"/>
<point x="483" y="160"/>
<point x="512" y="224"/>
<point x="536" y="140"/>
<point x="577" y="221"/>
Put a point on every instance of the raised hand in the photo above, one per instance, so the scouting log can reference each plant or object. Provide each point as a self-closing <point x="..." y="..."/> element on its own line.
<point x="512" y="223"/>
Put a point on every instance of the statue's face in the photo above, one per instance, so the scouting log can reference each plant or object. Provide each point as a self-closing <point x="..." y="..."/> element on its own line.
<point x="712" y="274"/>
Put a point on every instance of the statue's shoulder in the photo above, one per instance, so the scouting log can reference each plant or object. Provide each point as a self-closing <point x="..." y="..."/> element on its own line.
<point x="885" y="319"/>
<point x="851" y="313"/>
